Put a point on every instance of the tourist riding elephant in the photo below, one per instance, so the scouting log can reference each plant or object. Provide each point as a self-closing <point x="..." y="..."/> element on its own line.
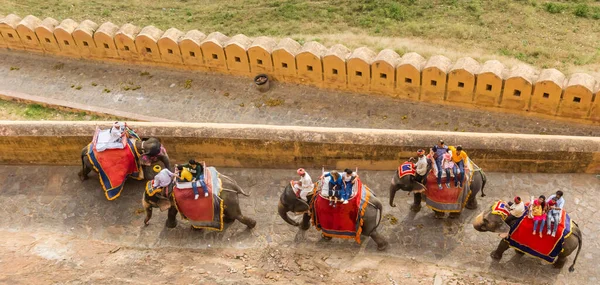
<point x="408" y="183"/>
<point x="289" y="202"/>
<point x="150" y="150"/>
<point x="489" y="222"/>
<point x="229" y="195"/>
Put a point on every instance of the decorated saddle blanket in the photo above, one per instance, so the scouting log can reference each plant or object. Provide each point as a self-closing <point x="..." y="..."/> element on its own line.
<point x="547" y="247"/>
<point x="343" y="220"/>
<point x="407" y="168"/>
<point x="204" y="212"/>
<point x="114" y="166"/>
<point x="451" y="199"/>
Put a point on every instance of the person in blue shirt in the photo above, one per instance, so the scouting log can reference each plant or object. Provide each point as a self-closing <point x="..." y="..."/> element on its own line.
<point x="335" y="186"/>
<point x="554" y="213"/>
<point x="348" y="179"/>
<point x="438" y="154"/>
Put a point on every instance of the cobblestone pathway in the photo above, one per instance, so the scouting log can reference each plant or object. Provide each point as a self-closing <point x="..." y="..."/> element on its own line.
<point x="225" y="99"/>
<point x="52" y="201"/>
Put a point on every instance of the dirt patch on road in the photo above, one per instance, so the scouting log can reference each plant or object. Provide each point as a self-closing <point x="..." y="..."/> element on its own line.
<point x="43" y="258"/>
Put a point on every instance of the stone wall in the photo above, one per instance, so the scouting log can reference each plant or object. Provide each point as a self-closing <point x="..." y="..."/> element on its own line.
<point x="262" y="146"/>
<point x="466" y="82"/>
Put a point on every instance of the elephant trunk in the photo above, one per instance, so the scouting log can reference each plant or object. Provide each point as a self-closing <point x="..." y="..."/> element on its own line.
<point x="393" y="189"/>
<point x="282" y="210"/>
<point x="483" y="181"/>
<point x="578" y="235"/>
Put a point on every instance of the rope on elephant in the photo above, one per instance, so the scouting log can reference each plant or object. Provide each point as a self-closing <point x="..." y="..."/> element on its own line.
<point x="229" y="190"/>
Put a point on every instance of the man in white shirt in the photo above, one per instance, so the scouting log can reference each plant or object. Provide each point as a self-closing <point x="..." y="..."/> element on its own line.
<point x="517" y="208"/>
<point x="162" y="179"/>
<point x="304" y="186"/>
<point x="116" y="132"/>
<point x="421" y="166"/>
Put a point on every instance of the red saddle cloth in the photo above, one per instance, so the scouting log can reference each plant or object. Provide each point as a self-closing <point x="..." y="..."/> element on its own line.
<point x="343" y="220"/>
<point x="114" y="166"/>
<point x="451" y="199"/>
<point x="339" y="221"/>
<point x="203" y="212"/>
<point x="547" y="247"/>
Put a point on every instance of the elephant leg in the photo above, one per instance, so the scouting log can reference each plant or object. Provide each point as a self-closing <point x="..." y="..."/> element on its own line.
<point x="454" y="215"/>
<point x="382" y="243"/>
<point x="502" y="247"/>
<point x="416" y="206"/>
<point x="305" y="224"/>
<point x="560" y="261"/>
<point x="472" y="203"/>
<point x="438" y="214"/>
<point x="227" y="219"/>
<point x="85" y="170"/>
<point x="250" y="223"/>
<point x="519" y="253"/>
<point x="172" y="217"/>
<point x="147" y="208"/>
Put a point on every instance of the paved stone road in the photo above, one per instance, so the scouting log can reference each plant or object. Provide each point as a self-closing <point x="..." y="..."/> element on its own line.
<point x="226" y="99"/>
<point x="53" y="200"/>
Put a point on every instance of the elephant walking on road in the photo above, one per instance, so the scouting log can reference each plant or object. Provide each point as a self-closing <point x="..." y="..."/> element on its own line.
<point x="489" y="222"/>
<point x="289" y="202"/>
<point x="150" y="147"/>
<point x="229" y="195"/>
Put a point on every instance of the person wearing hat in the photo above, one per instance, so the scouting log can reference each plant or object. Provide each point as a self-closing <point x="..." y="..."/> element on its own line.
<point x="304" y="186"/>
<point x="421" y="166"/>
<point x="459" y="157"/>
<point x="198" y="176"/>
<point x="438" y="154"/>
<point x="517" y="208"/>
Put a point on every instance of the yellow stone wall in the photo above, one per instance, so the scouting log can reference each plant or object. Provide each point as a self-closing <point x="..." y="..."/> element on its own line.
<point x="265" y="146"/>
<point x="361" y="70"/>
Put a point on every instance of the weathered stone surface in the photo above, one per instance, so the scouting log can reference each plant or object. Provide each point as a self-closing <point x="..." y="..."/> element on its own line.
<point x="79" y="211"/>
<point x="234" y="145"/>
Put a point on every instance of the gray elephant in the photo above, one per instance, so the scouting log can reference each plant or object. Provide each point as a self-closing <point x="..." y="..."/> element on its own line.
<point x="229" y="195"/>
<point x="288" y="202"/>
<point x="490" y="222"/>
<point x="150" y="148"/>
<point x="409" y="183"/>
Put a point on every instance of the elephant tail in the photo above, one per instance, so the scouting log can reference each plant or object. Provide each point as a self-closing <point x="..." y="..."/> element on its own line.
<point x="578" y="235"/>
<point x="82" y="164"/>
<point x="379" y="207"/>
<point x="233" y="184"/>
<point x="483" y="181"/>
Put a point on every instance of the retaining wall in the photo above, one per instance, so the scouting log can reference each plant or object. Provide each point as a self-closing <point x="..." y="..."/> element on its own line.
<point x="263" y="146"/>
<point x="465" y="82"/>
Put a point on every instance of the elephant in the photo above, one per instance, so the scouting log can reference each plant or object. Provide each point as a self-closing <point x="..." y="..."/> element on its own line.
<point x="289" y="202"/>
<point x="229" y="194"/>
<point x="408" y="183"/>
<point x="150" y="147"/>
<point x="488" y="222"/>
